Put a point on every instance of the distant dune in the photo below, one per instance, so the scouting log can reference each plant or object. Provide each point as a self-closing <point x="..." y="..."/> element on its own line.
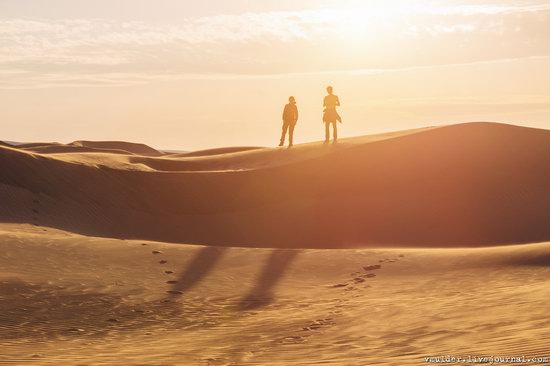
<point x="131" y="147"/>
<point x="60" y="149"/>
<point x="461" y="185"/>
<point x="33" y="145"/>
<point x="9" y="143"/>
<point x="113" y="147"/>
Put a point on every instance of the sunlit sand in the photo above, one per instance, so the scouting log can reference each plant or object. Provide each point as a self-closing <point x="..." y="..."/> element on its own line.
<point x="381" y="249"/>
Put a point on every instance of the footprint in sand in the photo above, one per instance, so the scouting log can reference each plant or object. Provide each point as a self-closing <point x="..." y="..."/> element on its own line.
<point x="171" y="282"/>
<point x="163" y="262"/>
<point x="358" y="277"/>
<point x="168" y="272"/>
<point x="372" y="267"/>
<point x="216" y="362"/>
<point x="156" y="252"/>
<point x="391" y="260"/>
<point x="318" y="324"/>
<point x="311" y="328"/>
<point x="293" y="340"/>
<point x="350" y="288"/>
<point x="76" y="330"/>
<point x="175" y="292"/>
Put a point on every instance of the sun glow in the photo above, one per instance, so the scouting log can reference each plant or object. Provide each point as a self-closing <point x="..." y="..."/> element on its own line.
<point x="91" y="71"/>
<point x="359" y="23"/>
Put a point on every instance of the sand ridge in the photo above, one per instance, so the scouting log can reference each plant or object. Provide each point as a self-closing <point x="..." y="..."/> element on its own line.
<point x="468" y="184"/>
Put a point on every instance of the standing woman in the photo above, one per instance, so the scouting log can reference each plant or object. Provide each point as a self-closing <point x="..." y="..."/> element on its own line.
<point x="330" y="115"/>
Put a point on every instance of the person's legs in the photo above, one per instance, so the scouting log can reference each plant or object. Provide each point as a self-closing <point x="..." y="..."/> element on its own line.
<point x="335" y="131"/>
<point x="283" y="133"/>
<point x="327" y="132"/>
<point x="291" y="134"/>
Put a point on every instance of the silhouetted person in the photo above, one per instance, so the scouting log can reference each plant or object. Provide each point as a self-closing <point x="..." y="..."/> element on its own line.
<point x="290" y="117"/>
<point x="330" y="115"/>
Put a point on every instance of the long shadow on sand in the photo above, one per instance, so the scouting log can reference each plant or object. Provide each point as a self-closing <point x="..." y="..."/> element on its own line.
<point x="262" y="292"/>
<point x="260" y="295"/>
<point x="201" y="264"/>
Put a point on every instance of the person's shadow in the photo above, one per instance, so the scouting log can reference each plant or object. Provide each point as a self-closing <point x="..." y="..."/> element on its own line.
<point x="261" y="294"/>
<point x="201" y="264"/>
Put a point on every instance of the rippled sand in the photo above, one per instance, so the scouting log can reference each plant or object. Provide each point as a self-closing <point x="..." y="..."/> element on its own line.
<point x="78" y="288"/>
<point x="68" y="299"/>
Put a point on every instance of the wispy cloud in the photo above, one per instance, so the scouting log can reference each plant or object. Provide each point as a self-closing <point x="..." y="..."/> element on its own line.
<point x="99" y="41"/>
<point x="22" y="79"/>
<point x="487" y="9"/>
<point x="40" y="52"/>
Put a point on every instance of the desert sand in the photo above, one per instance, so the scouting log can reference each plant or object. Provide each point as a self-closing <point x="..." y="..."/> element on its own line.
<point x="380" y="250"/>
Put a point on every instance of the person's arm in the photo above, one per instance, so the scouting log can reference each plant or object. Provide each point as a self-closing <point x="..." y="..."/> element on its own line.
<point x="337" y="101"/>
<point x="284" y="112"/>
<point x="325" y="102"/>
<point x="296" y="113"/>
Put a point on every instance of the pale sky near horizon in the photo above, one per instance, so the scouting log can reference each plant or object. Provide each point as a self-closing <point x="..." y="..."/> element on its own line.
<point x="178" y="74"/>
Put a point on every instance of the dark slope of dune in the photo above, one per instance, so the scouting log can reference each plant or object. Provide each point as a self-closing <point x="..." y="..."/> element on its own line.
<point x="469" y="184"/>
<point x="132" y="147"/>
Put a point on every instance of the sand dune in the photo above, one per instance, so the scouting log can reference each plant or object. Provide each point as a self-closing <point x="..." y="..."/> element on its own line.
<point x="218" y="151"/>
<point x="72" y="300"/>
<point x="10" y="143"/>
<point x="461" y="185"/>
<point x="73" y="293"/>
<point x="131" y="147"/>
<point x="60" y="149"/>
<point x="105" y="147"/>
<point x="32" y="145"/>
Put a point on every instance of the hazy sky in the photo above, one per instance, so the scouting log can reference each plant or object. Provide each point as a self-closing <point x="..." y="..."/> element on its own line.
<point x="196" y="74"/>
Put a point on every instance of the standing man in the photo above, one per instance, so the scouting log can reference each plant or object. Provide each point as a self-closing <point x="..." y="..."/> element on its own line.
<point x="330" y="115"/>
<point x="290" y="117"/>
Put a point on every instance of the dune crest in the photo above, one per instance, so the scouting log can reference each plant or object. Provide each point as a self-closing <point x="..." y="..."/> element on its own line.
<point x="461" y="185"/>
<point x="217" y="151"/>
<point x="131" y="147"/>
